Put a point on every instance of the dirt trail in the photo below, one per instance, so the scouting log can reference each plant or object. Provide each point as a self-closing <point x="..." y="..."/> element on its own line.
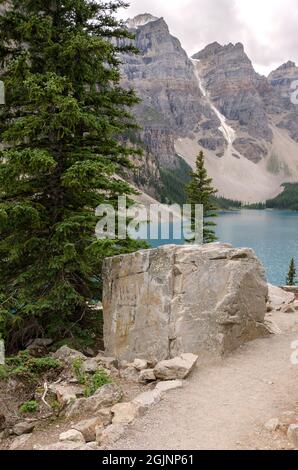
<point x="225" y="405"/>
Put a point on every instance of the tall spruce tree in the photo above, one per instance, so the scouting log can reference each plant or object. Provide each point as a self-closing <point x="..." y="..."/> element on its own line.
<point x="60" y="128"/>
<point x="201" y="191"/>
<point x="291" y="277"/>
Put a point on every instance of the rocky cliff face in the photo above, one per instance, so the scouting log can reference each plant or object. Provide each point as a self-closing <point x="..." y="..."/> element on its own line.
<point x="163" y="77"/>
<point x="278" y="98"/>
<point x="233" y="86"/>
<point x="216" y="102"/>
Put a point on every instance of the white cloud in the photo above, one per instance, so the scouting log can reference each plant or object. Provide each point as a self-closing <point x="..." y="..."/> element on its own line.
<point x="267" y="28"/>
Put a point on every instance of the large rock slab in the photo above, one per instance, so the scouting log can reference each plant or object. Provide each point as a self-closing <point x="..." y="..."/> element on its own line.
<point x="279" y="298"/>
<point x="72" y="435"/>
<point x="176" y="368"/>
<point x="109" y="435"/>
<point x="20" y="442"/>
<point x="126" y="413"/>
<point x="107" y="395"/>
<point x="160" y="303"/>
<point x="68" y="355"/>
<point x="88" y="426"/>
<point x="23" y="428"/>
<point x="293" y="434"/>
<point x="66" y="393"/>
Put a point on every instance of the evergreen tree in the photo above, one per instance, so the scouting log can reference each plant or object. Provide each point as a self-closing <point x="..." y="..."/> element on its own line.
<point x="201" y="191"/>
<point x="60" y="152"/>
<point x="291" y="277"/>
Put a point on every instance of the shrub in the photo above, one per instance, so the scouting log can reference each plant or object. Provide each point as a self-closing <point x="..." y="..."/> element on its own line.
<point x="3" y="372"/>
<point x="77" y="369"/>
<point x="92" y="382"/>
<point x="29" y="407"/>
<point x="30" y="367"/>
<point x="97" y="381"/>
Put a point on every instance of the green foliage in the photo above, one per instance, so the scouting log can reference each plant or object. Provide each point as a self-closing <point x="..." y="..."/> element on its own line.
<point x="61" y="128"/>
<point x="260" y="206"/>
<point x="173" y="182"/>
<point x="55" y="405"/>
<point x="25" y="366"/>
<point x="77" y="369"/>
<point x="288" y="199"/>
<point x="201" y="191"/>
<point x="226" y="204"/>
<point x="92" y="382"/>
<point x="291" y="277"/>
<point x="3" y="372"/>
<point x="96" y="381"/>
<point x="29" y="407"/>
<point x="83" y="338"/>
<point x="275" y="166"/>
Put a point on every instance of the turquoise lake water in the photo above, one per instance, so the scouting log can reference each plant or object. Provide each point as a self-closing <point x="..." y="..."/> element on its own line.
<point x="272" y="234"/>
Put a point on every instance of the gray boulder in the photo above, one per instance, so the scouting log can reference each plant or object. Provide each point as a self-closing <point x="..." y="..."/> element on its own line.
<point x="88" y="426"/>
<point x="106" y="396"/>
<point x="24" y="427"/>
<point x="176" y="368"/>
<point x="72" y="435"/>
<point x="68" y="355"/>
<point x="160" y="303"/>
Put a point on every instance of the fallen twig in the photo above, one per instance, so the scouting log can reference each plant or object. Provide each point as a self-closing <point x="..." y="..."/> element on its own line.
<point x="43" y="398"/>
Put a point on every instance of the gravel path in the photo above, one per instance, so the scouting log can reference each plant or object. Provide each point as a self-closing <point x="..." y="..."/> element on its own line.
<point x="225" y="405"/>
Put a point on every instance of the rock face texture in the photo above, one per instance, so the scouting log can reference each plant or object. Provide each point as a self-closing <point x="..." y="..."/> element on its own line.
<point x="245" y="123"/>
<point x="279" y="97"/>
<point x="233" y="85"/>
<point x="161" y="303"/>
<point x="171" y="102"/>
<point x="164" y="79"/>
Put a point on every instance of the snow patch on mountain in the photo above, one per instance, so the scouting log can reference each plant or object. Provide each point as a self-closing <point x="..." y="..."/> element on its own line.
<point x="227" y="131"/>
<point x="140" y="20"/>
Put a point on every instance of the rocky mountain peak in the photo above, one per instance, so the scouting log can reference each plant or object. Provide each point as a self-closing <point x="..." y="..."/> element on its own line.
<point x="140" y="20"/>
<point x="284" y="74"/>
<point x="288" y="65"/>
<point x="210" y="50"/>
<point x="187" y="106"/>
<point x="215" y="48"/>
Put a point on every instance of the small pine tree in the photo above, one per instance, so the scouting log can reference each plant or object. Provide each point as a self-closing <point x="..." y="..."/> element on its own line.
<point x="61" y="128"/>
<point x="291" y="277"/>
<point x="201" y="191"/>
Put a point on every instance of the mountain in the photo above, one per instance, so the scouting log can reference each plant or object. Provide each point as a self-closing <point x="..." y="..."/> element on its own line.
<point x="278" y="101"/>
<point x="216" y="102"/>
<point x="233" y="86"/>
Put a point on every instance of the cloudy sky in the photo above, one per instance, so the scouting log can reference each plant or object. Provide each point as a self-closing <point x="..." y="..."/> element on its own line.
<point x="267" y="28"/>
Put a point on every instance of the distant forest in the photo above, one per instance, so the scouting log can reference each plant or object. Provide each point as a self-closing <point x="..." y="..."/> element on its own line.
<point x="287" y="200"/>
